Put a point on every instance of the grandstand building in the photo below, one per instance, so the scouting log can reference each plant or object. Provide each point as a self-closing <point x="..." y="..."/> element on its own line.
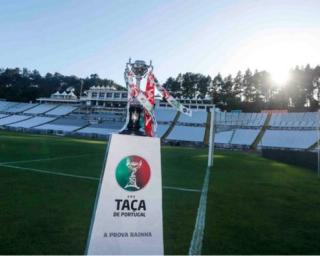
<point x="195" y="104"/>
<point x="66" y="97"/>
<point x="109" y="98"/>
<point x="104" y="97"/>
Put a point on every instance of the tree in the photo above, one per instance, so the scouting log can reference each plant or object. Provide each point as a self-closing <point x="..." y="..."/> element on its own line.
<point x="316" y="86"/>
<point x="296" y="90"/>
<point x="173" y="85"/>
<point x="248" y="87"/>
<point x="226" y="92"/>
<point x="203" y="84"/>
<point x="215" y="89"/>
<point x="308" y="84"/>
<point x="189" y="85"/>
<point x="26" y="85"/>
<point x="237" y="89"/>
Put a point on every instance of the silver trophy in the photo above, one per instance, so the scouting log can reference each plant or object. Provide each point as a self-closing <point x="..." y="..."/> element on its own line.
<point x="134" y="168"/>
<point x="135" y="110"/>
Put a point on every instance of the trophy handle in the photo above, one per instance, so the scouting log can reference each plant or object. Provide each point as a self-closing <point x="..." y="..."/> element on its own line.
<point x="151" y="66"/>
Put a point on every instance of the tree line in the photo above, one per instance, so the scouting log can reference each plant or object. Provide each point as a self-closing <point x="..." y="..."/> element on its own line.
<point x="248" y="91"/>
<point x="25" y="85"/>
<point x="252" y="91"/>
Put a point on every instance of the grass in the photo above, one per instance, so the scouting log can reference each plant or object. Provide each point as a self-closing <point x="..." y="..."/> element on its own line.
<point x="50" y="214"/>
<point x="258" y="206"/>
<point x="255" y="206"/>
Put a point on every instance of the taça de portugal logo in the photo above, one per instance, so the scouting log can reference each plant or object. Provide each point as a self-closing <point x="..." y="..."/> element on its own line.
<point x="133" y="173"/>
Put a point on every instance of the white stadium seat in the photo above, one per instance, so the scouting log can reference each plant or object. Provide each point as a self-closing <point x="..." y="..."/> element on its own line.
<point x="56" y="127"/>
<point x="198" y="117"/>
<point x="12" y="119"/>
<point x="294" y="120"/>
<point x="161" y="129"/>
<point x="35" y="121"/>
<point x="289" y="139"/>
<point x="187" y="133"/>
<point x="4" y="105"/>
<point x="285" y="130"/>
<point x="223" y="137"/>
<point x="73" y="121"/>
<point x="165" y="114"/>
<point x="61" y="110"/>
<point x="240" y="119"/>
<point x="100" y="131"/>
<point x="40" y="109"/>
<point x="17" y="108"/>
<point x="113" y="125"/>
<point x="244" y="137"/>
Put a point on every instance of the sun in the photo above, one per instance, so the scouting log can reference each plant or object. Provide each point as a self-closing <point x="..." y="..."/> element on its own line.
<point x="279" y="77"/>
<point x="275" y="51"/>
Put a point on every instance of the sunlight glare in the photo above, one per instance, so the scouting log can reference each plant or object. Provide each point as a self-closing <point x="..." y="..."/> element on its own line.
<point x="275" y="52"/>
<point x="280" y="77"/>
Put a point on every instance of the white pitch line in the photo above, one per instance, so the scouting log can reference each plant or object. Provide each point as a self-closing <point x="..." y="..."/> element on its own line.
<point x="50" y="172"/>
<point x="182" y="189"/>
<point x="198" y="232"/>
<point x="46" y="159"/>
<point x="83" y="177"/>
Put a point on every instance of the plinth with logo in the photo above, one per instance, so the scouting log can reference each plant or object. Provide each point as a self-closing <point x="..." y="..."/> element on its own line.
<point x="127" y="218"/>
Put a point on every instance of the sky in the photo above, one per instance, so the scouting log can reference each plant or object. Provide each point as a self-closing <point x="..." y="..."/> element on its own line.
<point x="206" y="36"/>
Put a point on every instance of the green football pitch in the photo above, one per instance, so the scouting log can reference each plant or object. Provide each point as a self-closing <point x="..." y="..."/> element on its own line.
<point x="254" y="206"/>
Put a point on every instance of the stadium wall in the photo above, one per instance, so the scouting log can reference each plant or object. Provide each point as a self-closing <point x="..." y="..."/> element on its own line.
<point x="304" y="159"/>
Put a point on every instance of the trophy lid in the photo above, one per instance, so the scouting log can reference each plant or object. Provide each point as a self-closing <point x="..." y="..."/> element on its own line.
<point x="139" y="67"/>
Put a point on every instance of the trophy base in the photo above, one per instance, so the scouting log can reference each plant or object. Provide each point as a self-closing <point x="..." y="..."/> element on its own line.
<point x="116" y="189"/>
<point x="132" y="132"/>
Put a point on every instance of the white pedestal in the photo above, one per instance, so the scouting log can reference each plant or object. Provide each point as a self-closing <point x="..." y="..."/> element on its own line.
<point x="128" y="212"/>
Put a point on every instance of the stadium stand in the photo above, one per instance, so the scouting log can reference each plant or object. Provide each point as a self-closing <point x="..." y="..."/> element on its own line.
<point x="103" y="128"/>
<point x="57" y="128"/>
<point x="34" y="121"/>
<point x="99" y="131"/>
<point x="161" y="129"/>
<point x="115" y="117"/>
<point x="198" y="117"/>
<point x="240" y="119"/>
<point x="40" y="109"/>
<point x="61" y="110"/>
<point x="165" y="114"/>
<point x="299" y="139"/>
<point x="108" y="125"/>
<point x="72" y="121"/>
<point x="4" y="105"/>
<point x="65" y="124"/>
<point x="223" y="137"/>
<point x="244" y="137"/>
<point x="12" y="119"/>
<point x="20" y="107"/>
<point x="294" y="120"/>
<point x="233" y="129"/>
<point x="187" y="133"/>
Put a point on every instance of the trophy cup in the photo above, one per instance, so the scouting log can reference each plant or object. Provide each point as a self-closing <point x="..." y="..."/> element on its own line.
<point x="134" y="168"/>
<point x="135" y="110"/>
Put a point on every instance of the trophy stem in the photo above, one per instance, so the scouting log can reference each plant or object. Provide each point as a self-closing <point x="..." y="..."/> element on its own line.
<point x="135" y="117"/>
<point x="134" y="124"/>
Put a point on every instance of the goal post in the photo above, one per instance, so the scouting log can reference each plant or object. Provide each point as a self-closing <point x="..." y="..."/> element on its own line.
<point x="211" y="137"/>
<point x="318" y="143"/>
